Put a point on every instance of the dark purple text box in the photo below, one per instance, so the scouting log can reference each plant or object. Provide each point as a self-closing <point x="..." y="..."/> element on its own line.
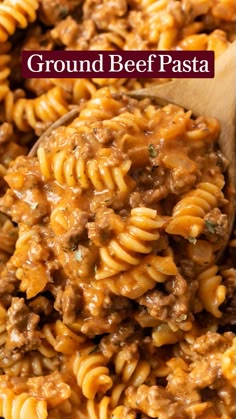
<point x="110" y="64"/>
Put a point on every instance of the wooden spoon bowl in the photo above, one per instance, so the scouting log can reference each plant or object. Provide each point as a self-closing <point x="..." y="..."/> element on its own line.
<point x="213" y="98"/>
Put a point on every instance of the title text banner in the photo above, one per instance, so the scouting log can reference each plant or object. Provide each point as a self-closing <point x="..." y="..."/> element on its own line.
<point x="109" y="64"/>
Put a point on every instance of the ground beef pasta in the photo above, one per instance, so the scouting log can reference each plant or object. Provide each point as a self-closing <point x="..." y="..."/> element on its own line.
<point x="112" y="301"/>
<point x="117" y="304"/>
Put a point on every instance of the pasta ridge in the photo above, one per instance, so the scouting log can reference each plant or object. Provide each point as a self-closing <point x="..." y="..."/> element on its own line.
<point x="27" y="114"/>
<point x="17" y="13"/>
<point x="138" y="280"/>
<point x="211" y="291"/>
<point x="57" y="337"/>
<point x="4" y="69"/>
<point x="70" y="170"/>
<point x="21" y="406"/>
<point x="133" y="371"/>
<point x="3" y="333"/>
<point x="89" y="367"/>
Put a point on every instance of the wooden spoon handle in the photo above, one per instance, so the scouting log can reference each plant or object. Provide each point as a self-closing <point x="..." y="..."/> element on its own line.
<point x="214" y="98"/>
<point x="211" y="97"/>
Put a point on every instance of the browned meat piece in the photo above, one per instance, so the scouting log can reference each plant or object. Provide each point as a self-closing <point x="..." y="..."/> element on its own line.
<point x="52" y="11"/>
<point x="102" y="313"/>
<point x="26" y="204"/>
<point x="76" y="262"/>
<point x="229" y="313"/>
<point x="74" y="235"/>
<point x="8" y="283"/>
<point x="44" y="388"/>
<point x="103" y="14"/>
<point x="106" y="224"/>
<point x="216" y="225"/>
<point x="69" y="303"/>
<point x="229" y="281"/>
<point x="41" y="305"/>
<point x="22" y="326"/>
<point x="154" y="401"/>
<point x="172" y="307"/>
<point x="205" y="373"/>
<point x="211" y="342"/>
<point x="68" y="32"/>
<point x="94" y="326"/>
<point x="181" y="181"/>
<point x="104" y="135"/>
<point x="114" y="341"/>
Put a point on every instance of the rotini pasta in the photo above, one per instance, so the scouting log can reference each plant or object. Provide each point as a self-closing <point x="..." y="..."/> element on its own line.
<point x="27" y="114"/>
<point x="4" y="69"/>
<point x="58" y="337"/>
<point x="135" y="282"/>
<point x="211" y="291"/>
<point x="188" y="214"/>
<point x="134" y="371"/>
<point x="3" y="333"/>
<point x="18" y="13"/>
<point x="101" y="410"/>
<point x="21" y="406"/>
<point x="33" y="365"/>
<point x="140" y="229"/>
<point x="89" y="367"/>
<point x="71" y="169"/>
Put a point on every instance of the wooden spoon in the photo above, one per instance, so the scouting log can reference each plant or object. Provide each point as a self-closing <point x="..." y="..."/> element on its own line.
<point x="210" y="97"/>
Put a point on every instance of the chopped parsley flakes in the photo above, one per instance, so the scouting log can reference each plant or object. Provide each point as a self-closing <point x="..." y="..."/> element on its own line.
<point x="152" y="151"/>
<point x="192" y="240"/>
<point x="78" y="255"/>
<point x="210" y="225"/>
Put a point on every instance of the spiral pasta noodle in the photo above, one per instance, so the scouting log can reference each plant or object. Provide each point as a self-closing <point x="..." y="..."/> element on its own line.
<point x="98" y="410"/>
<point x="134" y="371"/>
<point x="71" y="170"/>
<point x="21" y="406"/>
<point x="3" y="333"/>
<point x="89" y="367"/>
<point x="211" y="291"/>
<point x="189" y="212"/>
<point x="4" y="69"/>
<point x="57" y="337"/>
<point x="27" y="114"/>
<point x="34" y="364"/>
<point x="141" y="228"/>
<point x="102" y="410"/>
<point x="83" y="89"/>
<point x="13" y="14"/>
<point x="132" y="122"/>
<point x="135" y="282"/>
<point x="99" y="108"/>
